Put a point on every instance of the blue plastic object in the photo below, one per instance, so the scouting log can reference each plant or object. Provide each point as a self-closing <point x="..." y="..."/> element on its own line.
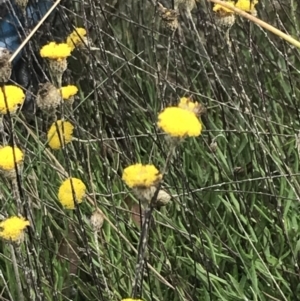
<point x="11" y="24"/>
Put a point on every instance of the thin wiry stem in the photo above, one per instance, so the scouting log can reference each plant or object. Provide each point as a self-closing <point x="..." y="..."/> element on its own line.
<point x="17" y="275"/>
<point x="19" y="49"/>
<point x="34" y="292"/>
<point x="2" y="132"/>
<point x="6" y="285"/>
<point x="145" y="231"/>
<point x="170" y="39"/>
<point x="100" y="264"/>
<point x="16" y="194"/>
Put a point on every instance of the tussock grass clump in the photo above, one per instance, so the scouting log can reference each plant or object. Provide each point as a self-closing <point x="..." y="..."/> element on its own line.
<point x="166" y="167"/>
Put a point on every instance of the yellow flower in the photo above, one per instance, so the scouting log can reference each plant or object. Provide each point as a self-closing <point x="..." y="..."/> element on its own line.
<point x="68" y="91"/>
<point x="76" y="37"/>
<point x="14" y="97"/>
<point x="139" y="175"/>
<point x="12" y="228"/>
<point x="55" y="51"/>
<point x="244" y="5"/>
<point x="178" y="122"/>
<point x="7" y="161"/>
<point x="70" y="189"/>
<point x="60" y="133"/>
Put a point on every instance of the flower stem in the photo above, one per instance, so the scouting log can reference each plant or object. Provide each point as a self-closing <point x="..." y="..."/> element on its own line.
<point x="145" y="231"/>
<point x="100" y="263"/>
<point x="30" y="279"/>
<point x="16" y="193"/>
<point x="5" y="285"/>
<point x="16" y="270"/>
<point x="2" y="132"/>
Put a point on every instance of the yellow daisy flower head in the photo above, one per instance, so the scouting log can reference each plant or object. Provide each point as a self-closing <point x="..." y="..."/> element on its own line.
<point x="59" y="134"/>
<point x="178" y="122"/>
<point x="68" y="91"/>
<point x="55" y="51"/>
<point x="70" y="189"/>
<point x="139" y="175"/>
<point x="76" y="38"/>
<point x="12" y="228"/>
<point x="8" y="155"/>
<point x="12" y="98"/>
<point x="246" y="5"/>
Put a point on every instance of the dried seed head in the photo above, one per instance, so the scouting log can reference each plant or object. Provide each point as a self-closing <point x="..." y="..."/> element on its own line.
<point x="58" y="67"/>
<point x="11" y="174"/>
<point x="169" y="16"/>
<point x="5" y="65"/>
<point x="97" y="220"/>
<point x="145" y="195"/>
<point x="163" y="198"/>
<point x="224" y="20"/>
<point x="213" y="146"/>
<point x="48" y="97"/>
<point x="172" y="25"/>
